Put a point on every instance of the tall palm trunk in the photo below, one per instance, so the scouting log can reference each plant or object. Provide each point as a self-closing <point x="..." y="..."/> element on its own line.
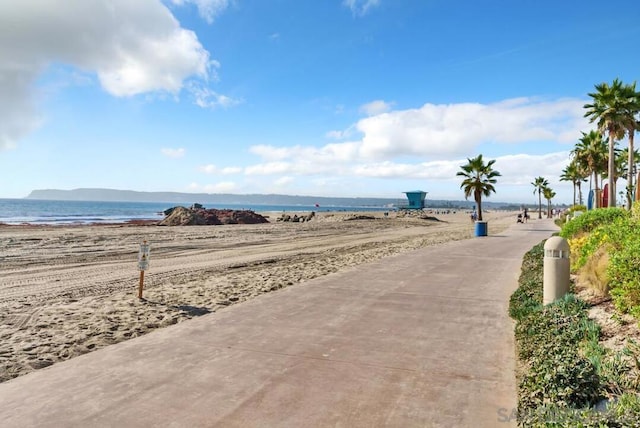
<point x="596" y="199"/>
<point x="612" y="170"/>
<point x="580" y="193"/>
<point x="630" y="165"/>
<point x="539" y="203"/>
<point x="478" y="197"/>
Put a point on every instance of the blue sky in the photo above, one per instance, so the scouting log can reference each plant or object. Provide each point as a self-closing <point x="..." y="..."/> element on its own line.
<point x="306" y="97"/>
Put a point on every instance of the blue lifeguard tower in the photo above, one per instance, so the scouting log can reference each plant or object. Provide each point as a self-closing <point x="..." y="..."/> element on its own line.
<point x="416" y="200"/>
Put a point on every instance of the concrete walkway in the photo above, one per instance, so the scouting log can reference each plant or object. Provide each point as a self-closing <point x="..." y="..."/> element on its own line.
<point x="418" y="340"/>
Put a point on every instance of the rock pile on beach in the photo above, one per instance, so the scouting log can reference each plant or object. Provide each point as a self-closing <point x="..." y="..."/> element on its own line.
<point x="419" y="214"/>
<point x="297" y="218"/>
<point x="195" y="216"/>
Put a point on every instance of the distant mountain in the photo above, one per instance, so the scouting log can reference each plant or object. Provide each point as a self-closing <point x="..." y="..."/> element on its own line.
<point x="112" y="195"/>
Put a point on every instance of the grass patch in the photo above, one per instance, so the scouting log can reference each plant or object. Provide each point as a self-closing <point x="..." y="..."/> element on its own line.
<point x="594" y="272"/>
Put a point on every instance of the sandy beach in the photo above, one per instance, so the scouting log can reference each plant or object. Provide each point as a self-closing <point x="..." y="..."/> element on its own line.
<point x="69" y="290"/>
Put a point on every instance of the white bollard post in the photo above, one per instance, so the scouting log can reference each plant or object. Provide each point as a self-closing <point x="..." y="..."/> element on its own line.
<point x="556" y="269"/>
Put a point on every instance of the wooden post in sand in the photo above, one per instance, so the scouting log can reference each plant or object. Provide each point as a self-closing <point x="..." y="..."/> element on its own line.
<point x="141" y="284"/>
<point x="143" y="264"/>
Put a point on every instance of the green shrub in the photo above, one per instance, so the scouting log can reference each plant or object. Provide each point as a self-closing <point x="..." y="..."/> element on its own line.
<point x="588" y="221"/>
<point x="550" y="340"/>
<point x="622" y="239"/>
<point x="624" y="275"/>
<point x="528" y="296"/>
<point x="613" y="233"/>
<point x="635" y="211"/>
<point x="625" y="413"/>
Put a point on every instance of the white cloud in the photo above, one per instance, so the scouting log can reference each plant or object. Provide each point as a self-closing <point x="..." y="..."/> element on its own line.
<point x="375" y="107"/>
<point x="270" y="168"/>
<point x="360" y="7"/>
<point x="284" y="181"/>
<point x="446" y="130"/>
<point x="207" y="98"/>
<point x="272" y="153"/>
<point x="438" y="177"/>
<point x="132" y="47"/>
<point x="231" y="170"/>
<point x="522" y="169"/>
<point x="173" y="153"/>
<point x="434" y="132"/>
<point x="388" y="178"/>
<point x="207" y="9"/>
<point x="429" y="144"/>
<point x="328" y="154"/>
<point x="437" y="170"/>
<point x="341" y="135"/>
<point x="212" y="169"/>
<point x="17" y="110"/>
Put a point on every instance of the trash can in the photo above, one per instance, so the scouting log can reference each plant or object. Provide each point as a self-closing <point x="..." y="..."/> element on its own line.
<point x="481" y="228"/>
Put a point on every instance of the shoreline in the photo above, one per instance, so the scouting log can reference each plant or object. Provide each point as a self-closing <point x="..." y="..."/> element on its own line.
<point x="69" y="290"/>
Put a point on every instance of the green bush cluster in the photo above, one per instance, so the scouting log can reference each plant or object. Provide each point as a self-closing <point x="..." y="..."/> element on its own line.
<point x="528" y="297"/>
<point x="607" y="233"/>
<point x="620" y="231"/>
<point x="620" y="414"/>
<point x="588" y="221"/>
<point x="550" y="341"/>
<point x="623" y="272"/>
<point x="564" y="371"/>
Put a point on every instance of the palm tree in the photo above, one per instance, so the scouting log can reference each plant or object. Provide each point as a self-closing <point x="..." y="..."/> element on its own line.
<point x="632" y="125"/>
<point x="591" y="154"/>
<point x="479" y="179"/>
<point x="609" y="108"/>
<point x="573" y="173"/>
<point x="540" y="183"/>
<point x="548" y="195"/>
<point x="567" y="175"/>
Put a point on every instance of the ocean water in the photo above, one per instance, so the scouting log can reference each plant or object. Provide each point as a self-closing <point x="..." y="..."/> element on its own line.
<point x="34" y="211"/>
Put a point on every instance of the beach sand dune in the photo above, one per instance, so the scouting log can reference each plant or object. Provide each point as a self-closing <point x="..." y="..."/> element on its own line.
<point x="68" y="290"/>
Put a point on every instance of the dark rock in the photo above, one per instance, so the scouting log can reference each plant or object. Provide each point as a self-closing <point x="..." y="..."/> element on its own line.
<point x="359" y="217"/>
<point x="296" y="218"/>
<point x="181" y="216"/>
